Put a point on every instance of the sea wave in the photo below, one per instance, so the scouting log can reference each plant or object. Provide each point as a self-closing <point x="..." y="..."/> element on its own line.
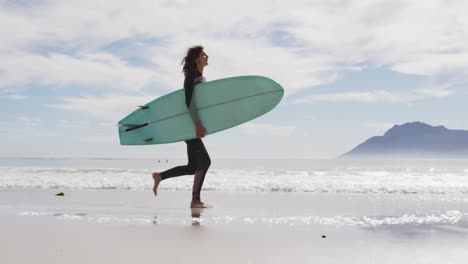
<point x="348" y="180"/>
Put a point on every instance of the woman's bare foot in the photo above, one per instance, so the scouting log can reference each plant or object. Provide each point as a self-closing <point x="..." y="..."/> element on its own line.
<point x="200" y="204"/>
<point x="157" y="179"/>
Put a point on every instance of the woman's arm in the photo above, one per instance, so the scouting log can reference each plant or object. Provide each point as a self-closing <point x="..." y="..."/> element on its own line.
<point x="189" y="86"/>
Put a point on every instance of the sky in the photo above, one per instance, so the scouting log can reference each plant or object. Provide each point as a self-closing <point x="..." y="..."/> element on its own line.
<point x="70" y="70"/>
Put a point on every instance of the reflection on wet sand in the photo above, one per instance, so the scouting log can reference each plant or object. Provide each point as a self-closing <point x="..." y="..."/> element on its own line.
<point x="155" y="220"/>
<point x="196" y="216"/>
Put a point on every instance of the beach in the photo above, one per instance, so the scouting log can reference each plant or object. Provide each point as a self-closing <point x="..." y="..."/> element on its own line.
<point x="122" y="226"/>
<point x="266" y="211"/>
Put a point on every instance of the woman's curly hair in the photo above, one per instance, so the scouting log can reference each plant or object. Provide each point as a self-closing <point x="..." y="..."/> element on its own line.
<point x="189" y="61"/>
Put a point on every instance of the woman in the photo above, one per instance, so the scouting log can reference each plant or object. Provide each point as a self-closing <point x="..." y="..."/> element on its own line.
<point x="198" y="159"/>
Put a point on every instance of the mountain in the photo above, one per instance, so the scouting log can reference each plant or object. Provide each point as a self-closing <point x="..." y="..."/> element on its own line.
<point x="415" y="140"/>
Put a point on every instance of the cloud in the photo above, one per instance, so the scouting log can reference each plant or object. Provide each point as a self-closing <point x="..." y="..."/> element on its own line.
<point x="113" y="107"/>
<point x="68" y="124"/>
<point x="363" y="97"/>
<point x="98" y="71"/>
<point x="435" y="92"/>
<point x="267" y="130"/>
<point x="16" y="97"/>
<point x="301" y="44"/>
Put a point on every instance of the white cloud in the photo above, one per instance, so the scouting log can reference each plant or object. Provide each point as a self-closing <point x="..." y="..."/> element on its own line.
<point x="68" y="124"/>
<point x="381" y="96"/>
<point x="17" y="97"/>
<point x="112" y="108"/>
<point x="300" y="44"/>
<point x="364" y="97"/>
<point x="88" y="46"/>
<point x="267" y="130"/>
<point x="435" y="92"/>
<point x="98" y="71"/>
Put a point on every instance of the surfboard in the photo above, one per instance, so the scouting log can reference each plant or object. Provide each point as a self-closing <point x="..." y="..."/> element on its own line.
<point x="221" y="104"/>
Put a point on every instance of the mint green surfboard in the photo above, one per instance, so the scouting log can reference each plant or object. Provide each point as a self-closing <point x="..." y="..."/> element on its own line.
<point x="221" y="104"/>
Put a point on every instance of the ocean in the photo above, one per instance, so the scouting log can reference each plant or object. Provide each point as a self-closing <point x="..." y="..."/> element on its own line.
<point x="422" y="177"/>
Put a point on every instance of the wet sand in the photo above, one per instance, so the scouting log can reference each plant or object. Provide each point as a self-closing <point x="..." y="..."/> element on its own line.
<point x="117" y="226"/>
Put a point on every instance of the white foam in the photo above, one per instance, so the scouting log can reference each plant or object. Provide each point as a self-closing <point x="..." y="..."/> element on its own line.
<point x="453" y="217"/>
<point x="334" y="180"/>
<point x="448" y="217"/>
<point x="32" y="213"/>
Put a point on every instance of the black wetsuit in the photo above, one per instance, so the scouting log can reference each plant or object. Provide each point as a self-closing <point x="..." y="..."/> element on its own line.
<point x="198" y="159"/>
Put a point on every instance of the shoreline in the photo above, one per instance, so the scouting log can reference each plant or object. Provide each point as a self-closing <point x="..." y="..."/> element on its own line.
<point x="122" y="226"/>
<point x="287" y="208"/>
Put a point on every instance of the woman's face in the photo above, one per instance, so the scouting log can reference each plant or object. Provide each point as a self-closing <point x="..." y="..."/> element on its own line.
<point x="202" y="59"/>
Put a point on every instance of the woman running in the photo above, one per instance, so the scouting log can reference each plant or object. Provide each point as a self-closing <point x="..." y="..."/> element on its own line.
<point x="198" y="159"/>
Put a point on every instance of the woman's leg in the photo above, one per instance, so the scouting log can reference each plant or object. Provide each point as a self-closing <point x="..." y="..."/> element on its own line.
<point x="175" y="172"/>
<point x="203" y="164"/>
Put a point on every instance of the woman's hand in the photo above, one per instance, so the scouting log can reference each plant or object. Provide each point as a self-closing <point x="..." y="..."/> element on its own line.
<point x="200" y="130"/>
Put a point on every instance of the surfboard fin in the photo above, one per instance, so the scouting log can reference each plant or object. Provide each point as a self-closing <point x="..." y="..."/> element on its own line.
<point x="148" y="139"/>
<point x="143" y="107"/>
<point x="133" y="126"/>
